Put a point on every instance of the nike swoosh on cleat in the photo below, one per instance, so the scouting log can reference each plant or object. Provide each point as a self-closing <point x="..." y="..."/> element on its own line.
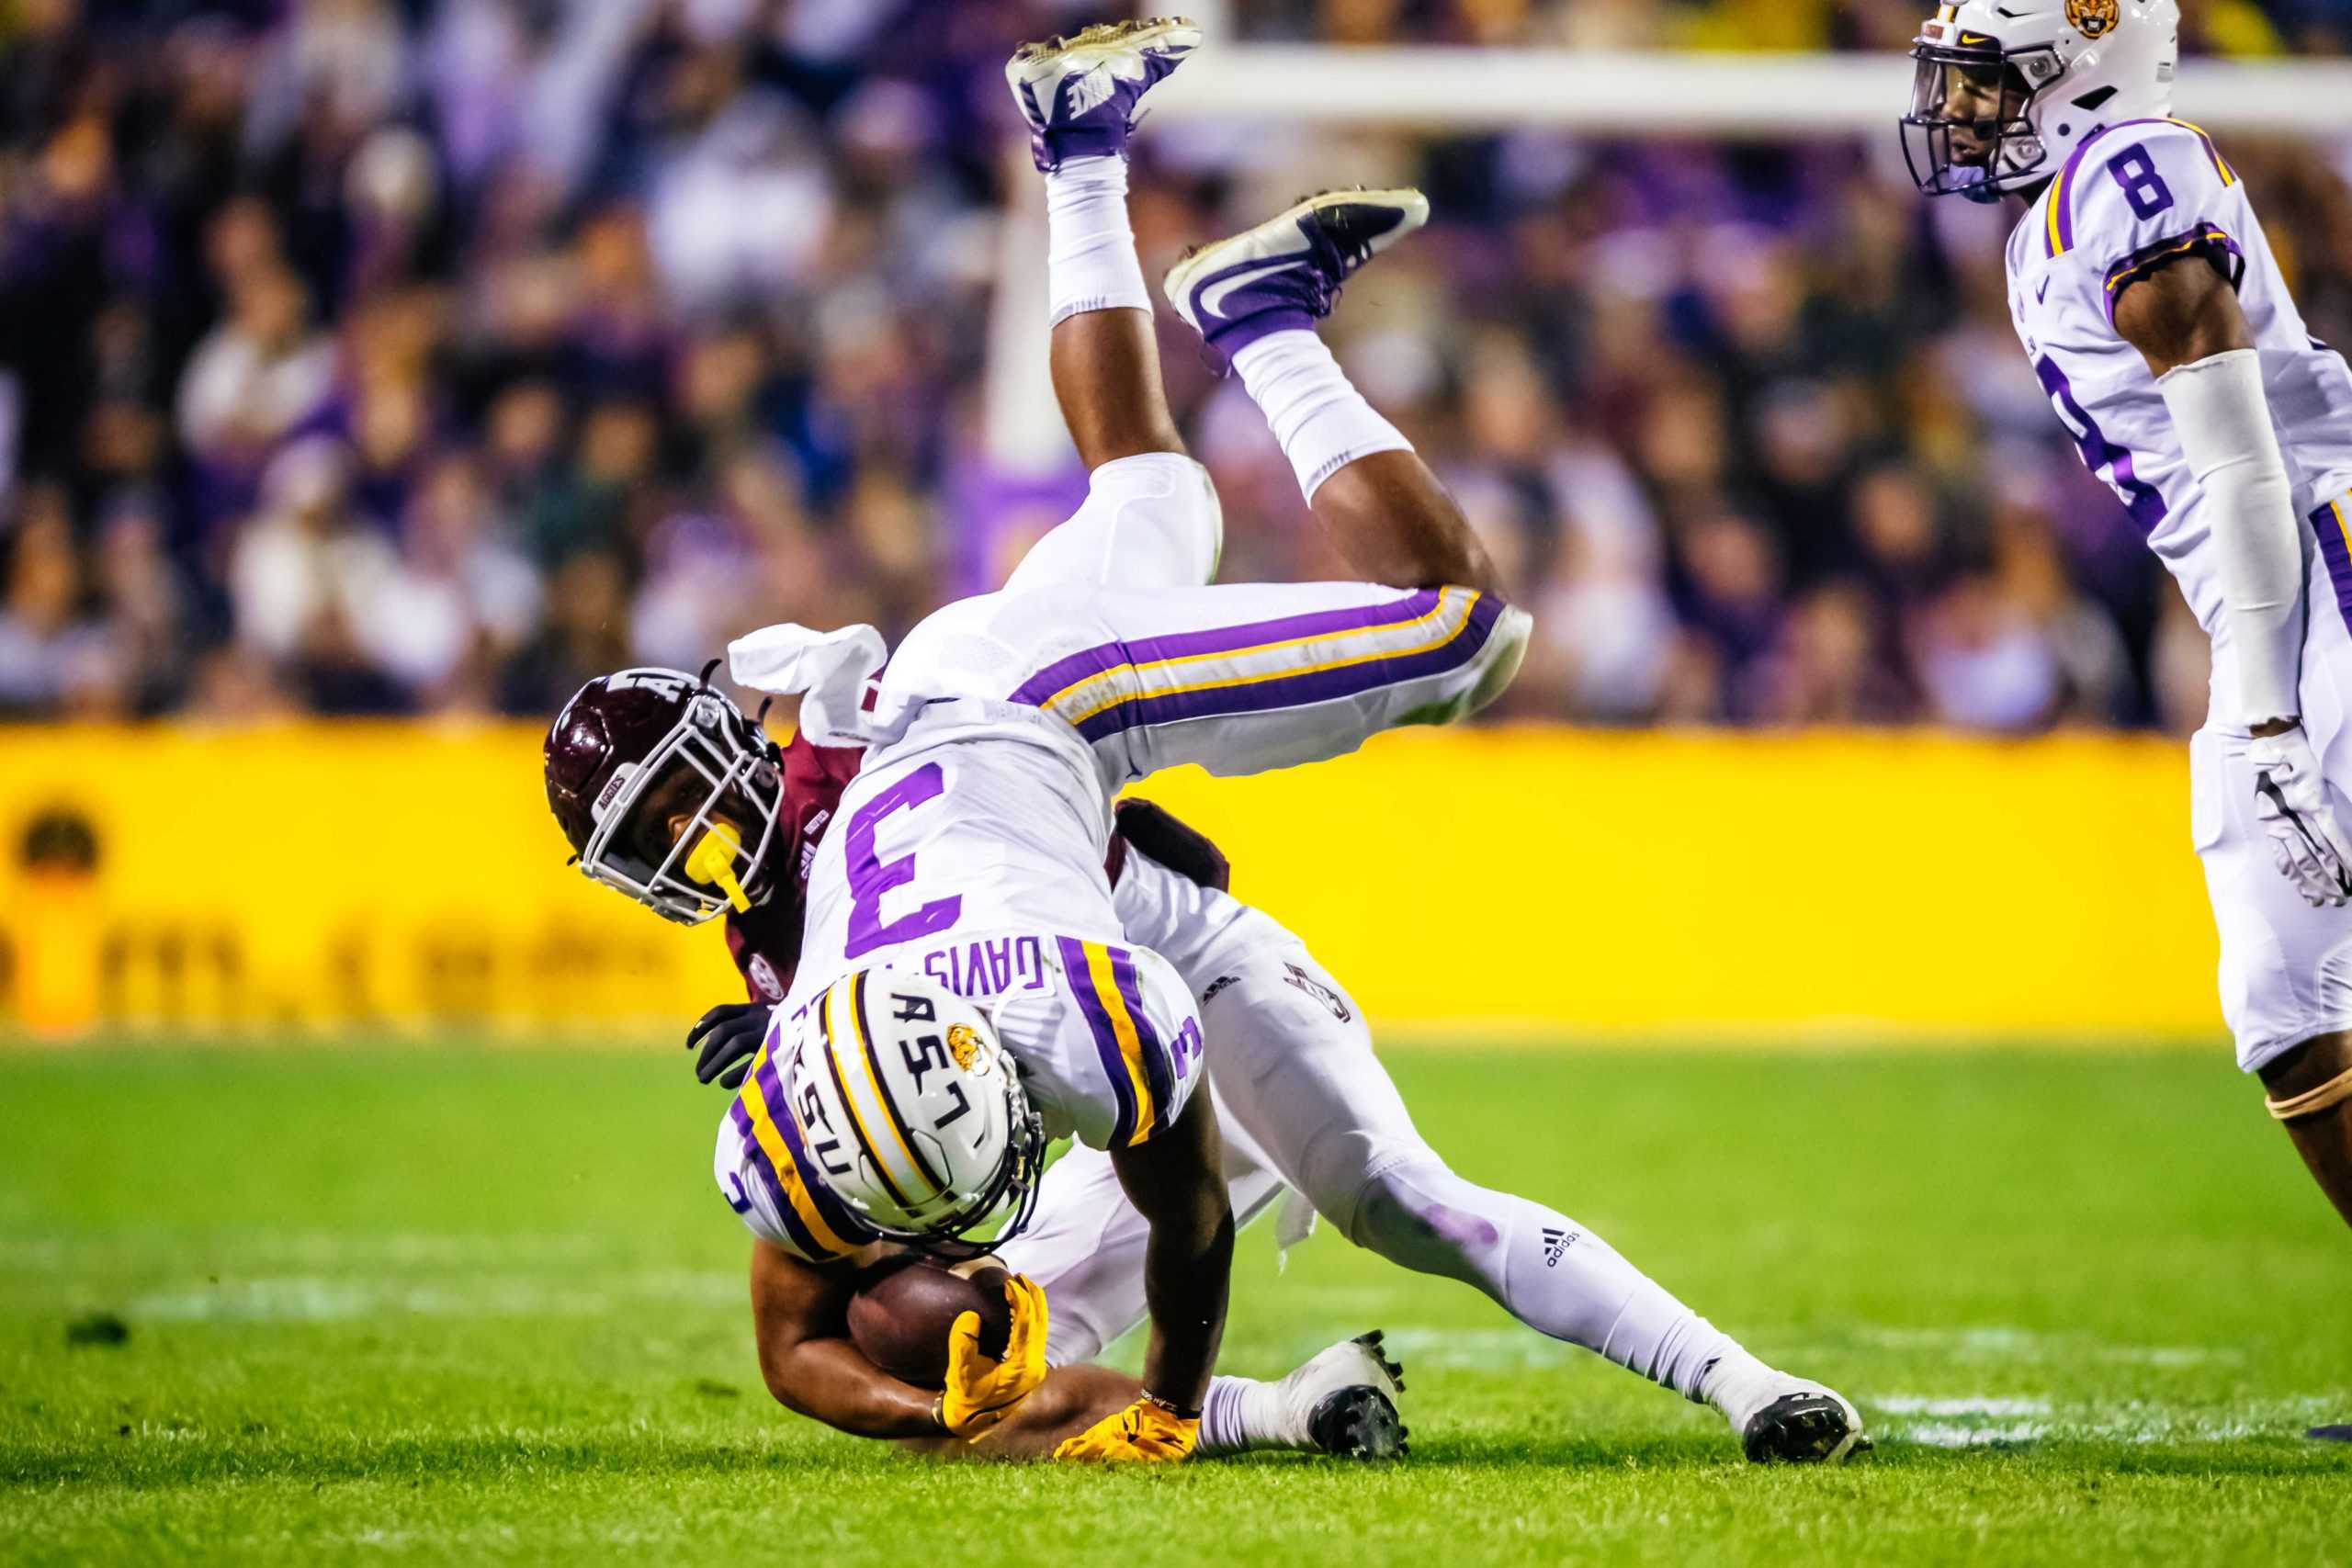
<point x="1213" y="296"/>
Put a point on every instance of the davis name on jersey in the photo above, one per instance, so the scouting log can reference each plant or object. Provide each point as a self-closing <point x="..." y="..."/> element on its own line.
<point x="2133" y="197"/>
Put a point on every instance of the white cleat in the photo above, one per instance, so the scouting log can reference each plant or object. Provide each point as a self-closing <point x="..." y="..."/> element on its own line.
<point x="1342" y="1401"/>
<point x="1080" y="94"/>
<point x="1780" y="1419"/>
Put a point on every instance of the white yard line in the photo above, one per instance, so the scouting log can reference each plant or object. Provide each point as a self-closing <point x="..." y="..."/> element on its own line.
<point x="2000" y="1421"/>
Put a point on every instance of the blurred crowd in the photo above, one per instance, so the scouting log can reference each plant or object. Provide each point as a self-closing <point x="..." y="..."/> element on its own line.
<point x="360" y="358"/>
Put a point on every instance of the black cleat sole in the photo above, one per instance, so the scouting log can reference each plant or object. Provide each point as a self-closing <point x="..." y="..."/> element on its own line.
<point x="1803" y="1429"/>
<point x="1359" y="1422"/>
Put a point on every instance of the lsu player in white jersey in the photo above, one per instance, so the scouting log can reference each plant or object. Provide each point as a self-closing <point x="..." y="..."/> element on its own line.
<point x="2159" y="324"/>
<point x="999" y="730"/>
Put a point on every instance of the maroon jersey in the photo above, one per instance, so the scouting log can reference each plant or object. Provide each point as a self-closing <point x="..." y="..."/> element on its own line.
<point x="766" y="942"/>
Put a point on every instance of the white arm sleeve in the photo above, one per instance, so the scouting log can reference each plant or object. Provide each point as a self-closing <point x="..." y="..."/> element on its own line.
<point x="2221" y="418"/>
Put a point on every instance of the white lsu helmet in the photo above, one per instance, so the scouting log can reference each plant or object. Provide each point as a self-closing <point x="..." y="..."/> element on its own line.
<point x="2064" y="68"/>
<point x="913" y="1112"/>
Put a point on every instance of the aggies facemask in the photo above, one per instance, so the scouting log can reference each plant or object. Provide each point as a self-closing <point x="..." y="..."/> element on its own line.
<point x="667" y="791"/>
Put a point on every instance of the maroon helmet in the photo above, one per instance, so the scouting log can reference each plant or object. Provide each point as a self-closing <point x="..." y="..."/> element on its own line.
<point x="666" y="790"/>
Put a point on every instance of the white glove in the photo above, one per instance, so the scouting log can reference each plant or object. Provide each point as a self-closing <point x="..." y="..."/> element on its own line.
<point x="2307" y="844"/>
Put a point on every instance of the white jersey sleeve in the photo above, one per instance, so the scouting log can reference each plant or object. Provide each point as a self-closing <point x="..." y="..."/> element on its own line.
<point x="2142" y="197"/>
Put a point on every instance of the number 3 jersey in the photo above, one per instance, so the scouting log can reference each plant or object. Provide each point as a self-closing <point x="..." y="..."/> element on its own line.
<point x="2136" y="196"/>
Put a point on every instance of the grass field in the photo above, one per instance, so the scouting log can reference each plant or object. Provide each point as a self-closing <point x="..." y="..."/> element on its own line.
<point x="476" y="1305"/>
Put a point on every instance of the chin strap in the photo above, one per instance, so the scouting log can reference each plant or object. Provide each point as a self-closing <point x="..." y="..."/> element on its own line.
<point x="834" y="673"/>
<point x="2326" y="1097"/>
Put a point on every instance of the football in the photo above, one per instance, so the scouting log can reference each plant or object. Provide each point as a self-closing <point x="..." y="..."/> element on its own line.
<point x="904" y="1308"/>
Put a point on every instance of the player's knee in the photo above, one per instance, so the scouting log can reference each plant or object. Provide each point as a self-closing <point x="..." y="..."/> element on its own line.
<point x="1499" y="658"/>
<point x="1170" y="497"/>
<point x="2312" y="1064"/>
<point x="1412" y="1215"/>
<point x="2309" y="1089"/>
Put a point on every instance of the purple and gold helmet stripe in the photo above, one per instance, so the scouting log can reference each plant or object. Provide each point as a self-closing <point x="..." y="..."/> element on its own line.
<point x="865" y="1140"/>
<point x="803" y="1240"/>
<point x="756" y="1114"/>
<point x="1088" y="966"/>
<point x="836" y="1215"/>
<point x="1289" y="663"/>
<point x="895" y="1122"/>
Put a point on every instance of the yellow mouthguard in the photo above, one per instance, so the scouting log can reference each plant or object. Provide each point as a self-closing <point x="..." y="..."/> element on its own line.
<point x="712" y="863"/>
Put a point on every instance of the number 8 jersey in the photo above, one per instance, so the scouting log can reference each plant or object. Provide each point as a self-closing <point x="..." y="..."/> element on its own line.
<point x="2134" y="196"/>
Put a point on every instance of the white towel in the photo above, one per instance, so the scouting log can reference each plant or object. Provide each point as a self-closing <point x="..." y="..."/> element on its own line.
<point x="836" y="674"/>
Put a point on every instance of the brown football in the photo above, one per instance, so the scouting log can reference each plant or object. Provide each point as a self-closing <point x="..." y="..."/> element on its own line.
<point x="904" y="1308"/>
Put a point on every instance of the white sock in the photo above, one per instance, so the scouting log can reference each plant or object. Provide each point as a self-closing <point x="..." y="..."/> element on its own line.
<point x="1321" y="419"/>
<point x="1242" y="1414"/>
<point x="1739" y="1385"/>
<point x="1544" y="1269"/>
<point x="1091" y="262"/>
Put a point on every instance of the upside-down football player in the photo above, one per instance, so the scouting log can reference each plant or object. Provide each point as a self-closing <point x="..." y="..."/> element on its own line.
<point x="2162" y="331"/>
<point x="947" y="847"/>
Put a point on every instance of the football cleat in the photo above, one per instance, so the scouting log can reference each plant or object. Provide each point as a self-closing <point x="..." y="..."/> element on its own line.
<point x="1805" y="1428"/>
<point x="1287" y="272"/>
<point x="1344" y="1400"/>
<point x="1782" y="1419"/>
<point x="1080" y="94"/>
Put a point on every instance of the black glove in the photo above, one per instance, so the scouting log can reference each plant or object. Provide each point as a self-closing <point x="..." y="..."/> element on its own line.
<point x="1183" y="849"/>
<point x="729" y="1035"/>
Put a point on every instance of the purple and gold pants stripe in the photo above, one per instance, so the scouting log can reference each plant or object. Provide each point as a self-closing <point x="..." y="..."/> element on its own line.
<point x="1102" y="979"/>
<point x="1292" y="661"/>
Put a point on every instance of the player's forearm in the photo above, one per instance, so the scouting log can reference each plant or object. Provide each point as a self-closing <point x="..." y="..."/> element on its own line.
<point x="828" y="1380"/>
<point x="1188" y="1270"/>
<point x="1176" y="1182"/>
<point x="2221" y="417"/>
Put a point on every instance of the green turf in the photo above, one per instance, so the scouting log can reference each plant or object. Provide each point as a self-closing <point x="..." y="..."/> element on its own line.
<point x="461" y="1305"/>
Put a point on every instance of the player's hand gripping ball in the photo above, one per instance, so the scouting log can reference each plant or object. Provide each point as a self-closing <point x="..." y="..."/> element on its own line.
<point x="981" y="1393"/>
<point x="1147" y="1432"/>
<point x="904" y="1307"/>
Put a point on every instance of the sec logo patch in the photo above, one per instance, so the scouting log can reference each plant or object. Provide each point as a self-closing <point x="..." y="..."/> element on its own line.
<point x="2094" y="18"/>
<point x="764" y="976"/>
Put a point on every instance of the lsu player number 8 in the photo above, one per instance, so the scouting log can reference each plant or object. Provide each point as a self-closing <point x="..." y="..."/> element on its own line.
<point x="2158" y="320"/>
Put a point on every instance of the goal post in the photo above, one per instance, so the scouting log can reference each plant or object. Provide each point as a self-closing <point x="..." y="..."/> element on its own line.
<point x="1778" y="98"/>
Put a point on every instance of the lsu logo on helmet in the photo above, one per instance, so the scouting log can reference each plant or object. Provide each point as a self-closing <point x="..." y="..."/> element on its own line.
<point x="2094" y="18"/>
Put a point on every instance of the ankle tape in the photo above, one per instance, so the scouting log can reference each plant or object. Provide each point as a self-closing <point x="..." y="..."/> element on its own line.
<point x="2334" y="1092"/>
